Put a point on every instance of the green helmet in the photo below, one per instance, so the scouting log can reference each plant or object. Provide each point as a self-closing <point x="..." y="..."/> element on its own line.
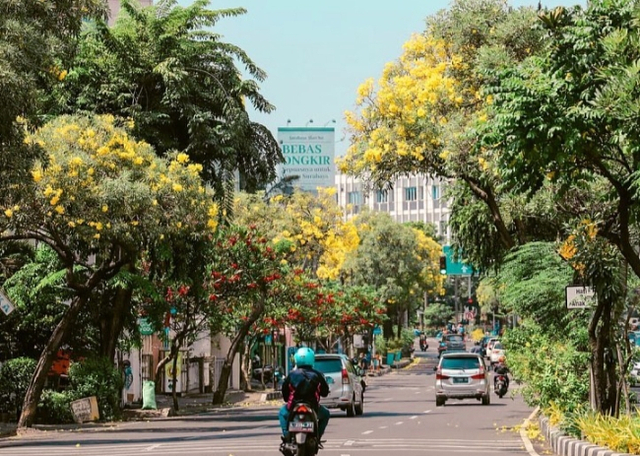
<point x="304" y="357"/>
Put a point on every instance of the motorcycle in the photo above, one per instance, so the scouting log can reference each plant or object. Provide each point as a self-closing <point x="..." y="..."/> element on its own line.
<point x="303" y="431"/>
<point x="500" y="385"/>
<point x="424" y="345"/>
<point x="303" y="428"/>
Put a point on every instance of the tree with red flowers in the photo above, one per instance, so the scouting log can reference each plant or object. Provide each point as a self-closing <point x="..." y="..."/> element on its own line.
<point x="246" y="281"/>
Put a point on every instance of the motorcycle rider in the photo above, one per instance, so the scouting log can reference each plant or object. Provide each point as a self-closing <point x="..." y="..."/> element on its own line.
<point x="501" y="369"/>
<point x="423" y="341"/>
<point x="305" y="384"/>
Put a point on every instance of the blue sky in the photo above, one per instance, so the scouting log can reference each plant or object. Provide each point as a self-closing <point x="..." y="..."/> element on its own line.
<point x="316" y="53"/>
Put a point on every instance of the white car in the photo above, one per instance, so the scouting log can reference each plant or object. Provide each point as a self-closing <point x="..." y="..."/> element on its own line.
<point x="497" y="350"/>
<point x="461" y="375"/>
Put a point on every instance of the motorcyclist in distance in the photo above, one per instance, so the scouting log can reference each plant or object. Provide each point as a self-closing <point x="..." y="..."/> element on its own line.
<point x="501" y="369"/>
<point x="304" y="384"/>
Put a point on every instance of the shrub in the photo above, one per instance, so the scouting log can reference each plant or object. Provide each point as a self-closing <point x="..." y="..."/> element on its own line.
<point x="97" y="377"/>
<point x="381" y="345"/>
<point x="15" y="376"/>
<point x="55" y="407"/>
<point x="553" y="371"/>
<point x="618" y="434"/>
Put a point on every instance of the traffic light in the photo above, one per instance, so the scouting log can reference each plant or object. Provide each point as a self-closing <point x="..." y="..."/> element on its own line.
<point x="443" y="264"/>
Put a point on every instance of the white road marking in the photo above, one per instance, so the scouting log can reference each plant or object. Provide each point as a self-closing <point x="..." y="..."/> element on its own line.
<point x="152" y="447"/>
<point x="367" y="432"/>
<point x="413" y="417"/>
<point x="399" y="422"/>
<point x="427" y="411"/>
<point x="349" y="443"/>
<point x="387" y="399"/>
<point x="383" y="427"/>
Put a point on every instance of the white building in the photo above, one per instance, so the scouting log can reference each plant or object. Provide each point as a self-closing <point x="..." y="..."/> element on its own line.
<point x="411" y="199"/>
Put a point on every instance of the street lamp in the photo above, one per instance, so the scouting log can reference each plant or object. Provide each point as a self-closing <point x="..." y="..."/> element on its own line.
<point x="330" y="121"/>
<point x="310" y="121"/>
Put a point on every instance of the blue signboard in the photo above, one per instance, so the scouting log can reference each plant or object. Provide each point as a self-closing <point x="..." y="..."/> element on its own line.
<point x="377" y="331"/>
<point x="454" y="266"/>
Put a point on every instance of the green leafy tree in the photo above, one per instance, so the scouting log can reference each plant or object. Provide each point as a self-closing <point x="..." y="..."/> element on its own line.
<point x="566" y="117"/>
<point x="391" y="259"/>
<point x="166" y="68"/>
<point x="36" y="41"/>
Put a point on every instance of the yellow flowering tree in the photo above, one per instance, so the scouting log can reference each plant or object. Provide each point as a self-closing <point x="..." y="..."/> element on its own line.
<point x="320" y="239"/>
<point x="423" y="114"/>
<point x="100" y="199"/>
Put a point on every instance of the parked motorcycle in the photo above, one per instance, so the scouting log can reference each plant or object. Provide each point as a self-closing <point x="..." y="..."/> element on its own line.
<point x="500" y="385"/>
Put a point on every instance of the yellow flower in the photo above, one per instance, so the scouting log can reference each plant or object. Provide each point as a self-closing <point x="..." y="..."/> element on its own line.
<point x="54" y="200"/>
<point x="80" y="221"/>
<point x="134" y="223"/>
<point x="37" y="175"/>
<point x="212" y="224"/>
<point x="8" y="213"/>
<point x="99" y="226"/>
<point x="161" y="236"/>
<point x="62" y="75"/>
<point x="72" y="224"/>
<point x="179" y="224"/>
<point x="96" y="236"/>
<point x="182" y="158"/>
<point x="177" y="187"/>
<point x="59" y="209"/>
<point x="16" y="208"/>
<point x="105" y="208"/>
<point x="90" y="171"/>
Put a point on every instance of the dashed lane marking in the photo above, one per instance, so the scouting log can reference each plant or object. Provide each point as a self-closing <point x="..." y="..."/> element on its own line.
<point x="399" y="422"/>
<point x="413" y="417"/>
<point x="367" y="432"/>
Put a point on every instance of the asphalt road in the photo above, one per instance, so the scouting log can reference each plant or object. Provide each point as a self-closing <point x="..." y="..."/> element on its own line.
<point x="400" y="416"/>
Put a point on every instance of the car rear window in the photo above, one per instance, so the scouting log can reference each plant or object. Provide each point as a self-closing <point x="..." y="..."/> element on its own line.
<point x="454" y="338"/>
<point x="327" y="366"/>
<point x="460" y="363"/>
<point x="497" y="346"/>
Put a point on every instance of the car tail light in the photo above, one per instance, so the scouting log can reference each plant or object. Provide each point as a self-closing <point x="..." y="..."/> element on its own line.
<point x="440" y="375"/>
<point x="345" y="377"/>
<point x="478" y="376"/>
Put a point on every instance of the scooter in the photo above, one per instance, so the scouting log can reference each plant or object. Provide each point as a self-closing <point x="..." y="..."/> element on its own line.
<point x="303" y="431"/>
<point x="424" y="345"/>
<point x="500" y="385"/>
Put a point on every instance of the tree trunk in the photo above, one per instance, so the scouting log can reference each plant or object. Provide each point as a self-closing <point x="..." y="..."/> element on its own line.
<point x="218" y="396"/>
<point x="114" y="324"/>
<point x="32" y="395"/>
<point x="245" y="367"/>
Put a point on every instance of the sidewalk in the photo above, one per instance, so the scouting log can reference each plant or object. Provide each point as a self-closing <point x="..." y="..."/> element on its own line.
<point x="188" y="405"/>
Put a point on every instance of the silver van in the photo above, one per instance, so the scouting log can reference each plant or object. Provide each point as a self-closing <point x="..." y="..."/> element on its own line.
<point x="462" y="375"/>
<point x="346" y="390"/>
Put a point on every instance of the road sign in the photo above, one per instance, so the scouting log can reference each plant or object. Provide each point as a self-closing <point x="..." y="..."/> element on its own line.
<point x="580" y="297"/>
<point x="377" y="331"/>
<point x="5" y="304"/>
<point x="455" y="267"/>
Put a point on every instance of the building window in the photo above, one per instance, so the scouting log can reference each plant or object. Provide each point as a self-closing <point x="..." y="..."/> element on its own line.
<point x="410" y="193"/>
<point x="435" y="192"/>
<point x="353" y="197"/>
<point x="382" y="196"/>
<point x="421" y="193"/>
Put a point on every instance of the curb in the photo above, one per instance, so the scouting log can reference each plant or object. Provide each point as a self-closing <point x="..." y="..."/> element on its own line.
<point x="564" y="445"/>
<point x="272" y="396"/>
<point x="523" y="434"/>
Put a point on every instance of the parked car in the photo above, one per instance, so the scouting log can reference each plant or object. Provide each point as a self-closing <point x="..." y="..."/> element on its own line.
<point x="346" y="392"/>
<point x="497" y="350"/>
<point x="460" y="376"/>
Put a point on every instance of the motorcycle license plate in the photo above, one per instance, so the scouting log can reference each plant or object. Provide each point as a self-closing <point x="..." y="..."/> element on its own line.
<point x="460" y="380"/>
<point x="301" y="426"/>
